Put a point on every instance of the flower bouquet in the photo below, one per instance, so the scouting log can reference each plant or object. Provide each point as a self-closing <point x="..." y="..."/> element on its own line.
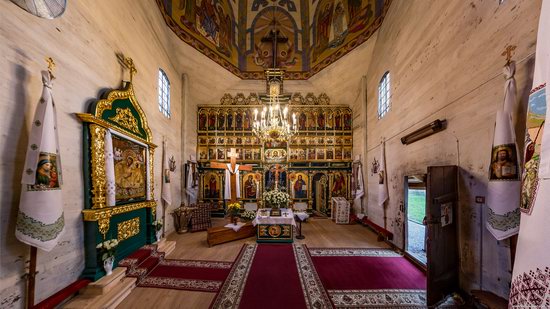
<point x="233" y="209"/>
<point x="157" y="224"/>
<point x="276" y="199"/>
<point x="248" y="215"/>
<point x="107" y="250"/>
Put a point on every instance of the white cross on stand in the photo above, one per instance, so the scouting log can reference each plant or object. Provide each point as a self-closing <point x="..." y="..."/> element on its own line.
<point x="233" y="179"/>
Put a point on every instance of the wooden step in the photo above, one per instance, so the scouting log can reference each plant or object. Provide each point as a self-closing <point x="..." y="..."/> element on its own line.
<point x="166" y="246"/>
<point x="103" y="285"/>
<point x="112" y="298"/>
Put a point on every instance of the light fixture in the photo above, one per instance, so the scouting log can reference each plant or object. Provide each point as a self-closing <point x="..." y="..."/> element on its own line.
<point x="425" y="131"/>
<point x="273" y="121"/>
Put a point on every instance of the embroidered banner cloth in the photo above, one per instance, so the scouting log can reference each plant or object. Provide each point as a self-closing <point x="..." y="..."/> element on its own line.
<point x="40" y="220"/>
<point x="382" y="180"/>
<point x="504" y="176"/>
<point x="531" y="275"/>
<point x="192" y="187"/>
<point x="166" y="186"/>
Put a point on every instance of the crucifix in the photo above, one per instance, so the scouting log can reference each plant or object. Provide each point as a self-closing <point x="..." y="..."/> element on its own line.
<point x="233" y="168"/>
<point x="277" y="169"/>
<point x="275" y="39"/>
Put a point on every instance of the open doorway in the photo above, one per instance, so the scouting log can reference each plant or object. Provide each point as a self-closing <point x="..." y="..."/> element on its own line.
<point x="415" y="212"/>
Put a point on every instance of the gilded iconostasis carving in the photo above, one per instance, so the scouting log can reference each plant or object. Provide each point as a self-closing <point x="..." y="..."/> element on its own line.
<point x="313" y="166"/>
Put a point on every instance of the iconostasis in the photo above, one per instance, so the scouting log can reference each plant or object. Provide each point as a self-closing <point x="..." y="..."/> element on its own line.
<point x="313" y="166"/>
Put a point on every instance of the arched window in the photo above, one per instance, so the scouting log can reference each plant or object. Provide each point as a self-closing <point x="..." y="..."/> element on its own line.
<point x="384" y="95"/>
<point x="164" y="94"/>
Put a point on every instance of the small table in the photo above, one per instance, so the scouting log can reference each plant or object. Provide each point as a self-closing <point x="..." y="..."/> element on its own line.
<point x="275" y="229"/>
<point x="301" y="217"/>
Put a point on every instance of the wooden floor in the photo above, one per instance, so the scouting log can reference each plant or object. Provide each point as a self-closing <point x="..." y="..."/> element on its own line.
<point x="192" y="246"/>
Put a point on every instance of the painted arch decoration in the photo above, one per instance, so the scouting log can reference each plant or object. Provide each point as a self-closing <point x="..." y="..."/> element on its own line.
<point x="317" y="32"/>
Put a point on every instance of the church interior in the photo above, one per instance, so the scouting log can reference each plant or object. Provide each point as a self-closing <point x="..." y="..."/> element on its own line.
<point x="372" y="153"/>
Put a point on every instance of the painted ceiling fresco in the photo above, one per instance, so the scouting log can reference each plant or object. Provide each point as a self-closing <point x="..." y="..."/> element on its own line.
<point x="240" y="34"/>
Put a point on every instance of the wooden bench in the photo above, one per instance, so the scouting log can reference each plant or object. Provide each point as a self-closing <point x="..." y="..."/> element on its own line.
<point x="219" y="234"/>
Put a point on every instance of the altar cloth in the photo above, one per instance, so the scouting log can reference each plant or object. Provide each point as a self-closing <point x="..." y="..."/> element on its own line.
<point x="288" y="219"/>
<point x="302" y="216"/>
<point x="235" y="227"/>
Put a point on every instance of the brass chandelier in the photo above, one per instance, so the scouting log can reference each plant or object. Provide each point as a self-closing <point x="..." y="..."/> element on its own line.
<point x="273" y="122"/>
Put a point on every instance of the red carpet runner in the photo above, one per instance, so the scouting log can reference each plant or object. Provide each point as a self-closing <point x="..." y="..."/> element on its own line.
<point x="369" y="278"/>
<point x="272" y="276"/>
<point x="152" y="270"/>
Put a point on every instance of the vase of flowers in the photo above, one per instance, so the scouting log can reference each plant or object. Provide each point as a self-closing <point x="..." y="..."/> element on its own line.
<point x="248" y="215"/>
<point x="233" y="210"/>
<point x="107" y="250"/>
<point x="276" y="199"/>
<point x="157" y="224"/>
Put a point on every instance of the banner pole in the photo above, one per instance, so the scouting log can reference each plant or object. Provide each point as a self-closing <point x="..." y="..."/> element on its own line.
<point x="31" y="279"/>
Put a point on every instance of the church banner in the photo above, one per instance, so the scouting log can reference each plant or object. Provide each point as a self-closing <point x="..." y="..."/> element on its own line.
<point x="192" y="185"/>
<point x="531" y="272"/>
<point x="40" y="220"/>
<point x="504" y="177"/>
<point x="166" y="186"/>
<point x="382" y="180"/>
<point x="358" y="186"/>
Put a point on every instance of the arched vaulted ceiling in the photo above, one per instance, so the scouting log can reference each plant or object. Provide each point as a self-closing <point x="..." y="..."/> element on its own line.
<point x="314" y="33"/>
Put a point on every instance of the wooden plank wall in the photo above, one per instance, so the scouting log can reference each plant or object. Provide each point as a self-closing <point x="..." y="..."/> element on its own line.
<point x="445" y="61"/>
<point x="83" y="43"/>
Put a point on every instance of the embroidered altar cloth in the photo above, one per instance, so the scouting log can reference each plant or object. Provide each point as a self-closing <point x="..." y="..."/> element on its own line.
<point x="288" y="219"/>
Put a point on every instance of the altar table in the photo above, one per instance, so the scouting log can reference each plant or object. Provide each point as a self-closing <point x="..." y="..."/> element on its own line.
<point x="275" y="229"/>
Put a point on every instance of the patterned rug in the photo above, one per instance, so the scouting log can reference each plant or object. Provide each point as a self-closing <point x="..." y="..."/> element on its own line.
<point x="369" y="278"/>
<point x="142" y="261"/>
<point x="205" y="276"/>
<point x="152" y="270"/>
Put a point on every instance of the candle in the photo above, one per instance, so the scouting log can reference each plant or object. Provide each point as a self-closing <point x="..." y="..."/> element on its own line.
<point x="255" y="114"/>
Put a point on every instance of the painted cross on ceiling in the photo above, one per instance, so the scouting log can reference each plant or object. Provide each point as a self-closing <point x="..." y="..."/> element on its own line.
<point x="289" y="4"/>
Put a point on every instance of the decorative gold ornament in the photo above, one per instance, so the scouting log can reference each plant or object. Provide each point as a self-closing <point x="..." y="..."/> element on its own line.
<point x="98" y="166"/>
<point x="103" y="225"/>
<point x="92" y="119"/>
<point x="126" y="93"/>
<point x="151" y="178"/>
<point x="125" y="118"/>
<point x="127" y="229"/>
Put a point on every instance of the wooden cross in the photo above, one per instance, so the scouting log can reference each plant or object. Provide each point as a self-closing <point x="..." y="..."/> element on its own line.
<point x="51" y="66"/>
<point x="219" y="165"/>
<point x="508" y="53"/>
<point x="274" y="38"/>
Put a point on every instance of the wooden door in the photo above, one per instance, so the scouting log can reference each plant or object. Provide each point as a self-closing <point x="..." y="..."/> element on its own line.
<point x="442" y="243"/>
